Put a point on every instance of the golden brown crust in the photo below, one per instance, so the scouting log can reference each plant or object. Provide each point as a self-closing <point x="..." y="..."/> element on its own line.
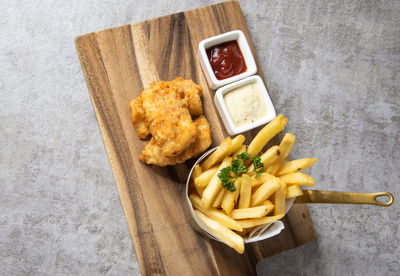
<point x="192" y="99"/>
<point x="192" y="93"/>
<point x="169" y="119"/>
<point x="139" y="118"/>
<point x="152" y="154"/>
<point x="164" y="110"/>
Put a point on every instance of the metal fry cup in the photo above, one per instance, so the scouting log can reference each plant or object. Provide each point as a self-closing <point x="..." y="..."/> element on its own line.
<point x="259" y="233"/>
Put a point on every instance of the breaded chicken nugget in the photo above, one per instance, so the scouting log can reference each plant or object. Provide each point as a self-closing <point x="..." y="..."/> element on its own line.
<point x="152" y="154"/>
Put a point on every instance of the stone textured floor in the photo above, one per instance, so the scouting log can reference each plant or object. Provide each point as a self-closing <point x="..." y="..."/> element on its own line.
<point x="332" y="67"/>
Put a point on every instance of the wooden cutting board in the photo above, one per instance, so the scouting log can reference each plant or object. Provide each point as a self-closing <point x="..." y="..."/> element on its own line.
<point x="118" y="63"/>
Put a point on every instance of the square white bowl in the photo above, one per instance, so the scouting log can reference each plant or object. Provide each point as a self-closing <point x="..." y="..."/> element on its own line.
<point x="224" y="112"/>
<point x="237" y="35"/>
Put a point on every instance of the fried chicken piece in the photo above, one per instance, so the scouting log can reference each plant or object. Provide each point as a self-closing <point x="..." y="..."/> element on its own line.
<point x="192" y="94"/>
<point x="164" y="110"/>
<point x="139" y="118"/>
<point x="169" y="119"/>
<point x="152" y="154"/>
<point x="192" y="99"/>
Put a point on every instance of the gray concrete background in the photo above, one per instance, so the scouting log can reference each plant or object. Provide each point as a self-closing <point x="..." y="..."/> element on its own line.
<point x="333" y="68"/>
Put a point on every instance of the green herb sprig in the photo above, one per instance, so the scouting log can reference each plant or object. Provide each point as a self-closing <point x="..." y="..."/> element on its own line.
<point x="258" y="166"/>
<point x="238" y="167"/>
<point x="225" y="176"/>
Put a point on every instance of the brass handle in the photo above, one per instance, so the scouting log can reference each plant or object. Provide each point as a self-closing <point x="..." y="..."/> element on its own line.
<point x="316" y="196"/>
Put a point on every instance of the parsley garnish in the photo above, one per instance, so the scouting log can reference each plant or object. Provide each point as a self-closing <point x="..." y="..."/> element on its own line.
<point x="225" y="176"/>
<point x="244" y="156"/>
<point x="238" y="168"/>
<point x="258" y="166"/>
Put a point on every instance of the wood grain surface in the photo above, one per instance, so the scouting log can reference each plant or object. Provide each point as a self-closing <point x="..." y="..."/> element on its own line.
<point x="118" y="64"/>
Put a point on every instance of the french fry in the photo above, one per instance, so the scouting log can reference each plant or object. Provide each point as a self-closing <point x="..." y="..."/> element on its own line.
<point x="238" y="187"/>
<point x="253" y="212"/>
<point x="228" y="202"/>
<point x="269" y="157"/>
<point x="218" y="154"/>
<point x="279" y="199"/>
<point x="245" y="192"/>
<point x="285" y="147"/>
<point x="215" y="214"/>
<point x="218" y="199"/>
<point x="297" y="178"/>
<point x="266" y="134"/>
<point x="293" y="191"/>
<point x="230" y="198"/>
<point x="226" y="235"/>
<point x="204" y="178"/>
<point x="200" y="191"/>
<point x="267" y="203"/>
<point x="248" y="223"/>
<point x="237" y="143"/>
<point x="196" y="171"/>
<point x="264" y="177"/>
<point x="270" y="206"/>
<point x="265" y="191"/>
<point x="239" y="151"/>
<point x="215" y="184"/>
<point x="296" y="165"/>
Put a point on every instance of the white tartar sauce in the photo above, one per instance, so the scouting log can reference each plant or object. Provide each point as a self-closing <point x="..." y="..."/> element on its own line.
<point x="246" y="104"/>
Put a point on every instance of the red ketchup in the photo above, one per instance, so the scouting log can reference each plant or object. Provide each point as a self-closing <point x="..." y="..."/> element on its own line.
<point x="226" y="60"/>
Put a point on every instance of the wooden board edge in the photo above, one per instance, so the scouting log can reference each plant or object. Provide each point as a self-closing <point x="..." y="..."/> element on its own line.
<point x="77" y="38"/>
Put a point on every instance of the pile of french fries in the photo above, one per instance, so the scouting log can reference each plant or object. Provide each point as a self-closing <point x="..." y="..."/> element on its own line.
<point x="256" y="200"/>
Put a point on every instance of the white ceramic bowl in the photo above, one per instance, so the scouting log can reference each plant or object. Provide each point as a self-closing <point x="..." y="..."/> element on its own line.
<point x="237" y="35"/>
<point x="224" y="112"/>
